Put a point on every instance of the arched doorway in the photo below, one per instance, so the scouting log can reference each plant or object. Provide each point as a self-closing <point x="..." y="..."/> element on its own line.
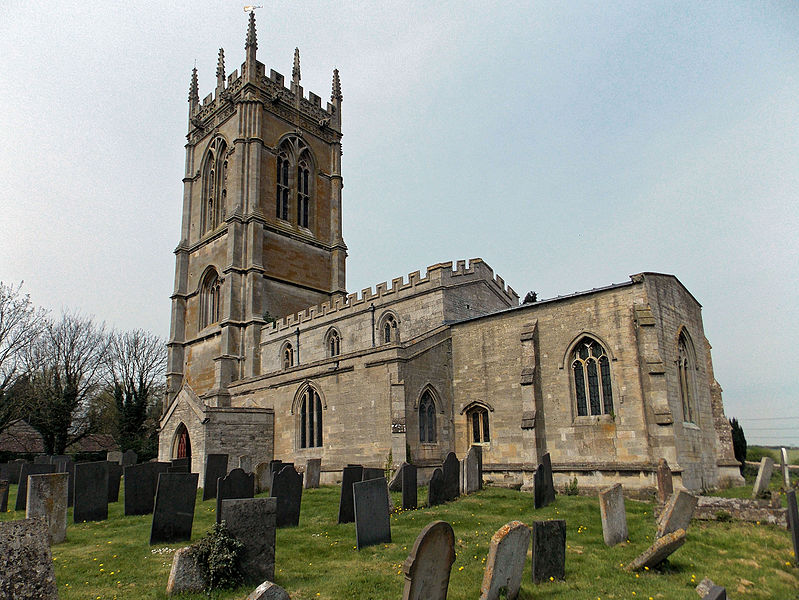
<point x="181" y="447"/>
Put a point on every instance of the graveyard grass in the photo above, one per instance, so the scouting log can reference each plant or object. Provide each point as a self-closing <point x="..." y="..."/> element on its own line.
<point x="112" y="559"/>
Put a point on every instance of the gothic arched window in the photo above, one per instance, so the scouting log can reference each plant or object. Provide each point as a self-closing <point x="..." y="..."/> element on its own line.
<point x="293" y="181"/>
<point x="333" y="343"/>
<point x="214" y="185"/>
<point x="591" y="376"/>
<point x="303" y="193"/>
<point x="477" y="423"/>
<point x="388" y="329"/>
<point x="685" y="366"/>
<point x="427" y="419"/>
<point x="310" y="419"/>
<point x="282" y="192"/>
<point x="209" y="299"/>
<point x="287" y="354"/>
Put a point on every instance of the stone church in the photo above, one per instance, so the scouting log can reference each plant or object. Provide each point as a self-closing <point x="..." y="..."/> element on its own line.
<point x="271" y="358"/>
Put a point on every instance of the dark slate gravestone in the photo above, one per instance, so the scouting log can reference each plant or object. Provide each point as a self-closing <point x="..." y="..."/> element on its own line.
<point x="543" y="486"/>
<point x="42" y="459"/>
<point x="372" y="473"/>
<point x="716" y="593"/>
<point x="114" y="474"/>
<point x="793" y="523"/>
<point x="451" y="470"/>
<point x="252" y="522"/>
<point x="177" y="469"/>
<point x="274" y="467"/>
<point x="140" y="483"/>
<point x="91" y="492"/>
<point x="372" y="524"/>
<point x="173" y="514"/>
<point x="435" y="489"/>
<point x="287" y="488"/>
<point x="29" y="469"/>
<point x="59" y="458"/>
<point x="408" y="487"/>
<point x="215" y="467"/>
<point x="66" y="465"/>
<point x="4" y="485"/>
<point x="472" y="471"/>
<point x="237" y="484"/>
<point x="4" y="469"/>
<point x="313" y="469"/>
<point x="129" y="457"/>
<point x="14" y="470"/>
<point x="395" y="485"/>
<point x="549" y="550"/>
<point x="346" y="505"/>
<point x="182" y="463"/>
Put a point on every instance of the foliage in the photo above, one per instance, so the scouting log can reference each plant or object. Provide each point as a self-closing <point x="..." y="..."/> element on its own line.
<point x="738" y="442"/>
<point x="571" y="488"/>
<point x="218" y="555"/>
<point x="723" y="516"/>
<point x="530" y="297"/>
<point x="389" y="463"/>
<point x="755" y="453"/>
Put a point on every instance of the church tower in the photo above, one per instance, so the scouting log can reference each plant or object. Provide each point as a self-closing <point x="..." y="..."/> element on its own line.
<point x="261" y="229"/>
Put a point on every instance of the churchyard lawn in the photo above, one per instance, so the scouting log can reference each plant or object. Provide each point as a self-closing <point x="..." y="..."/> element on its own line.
<point x="112" y="559"/>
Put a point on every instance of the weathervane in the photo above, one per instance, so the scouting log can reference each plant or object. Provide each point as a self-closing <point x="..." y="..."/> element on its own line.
<point x="248" y="9"/>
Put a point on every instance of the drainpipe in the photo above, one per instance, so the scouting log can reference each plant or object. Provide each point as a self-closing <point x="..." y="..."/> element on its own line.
<point x="372" y="308"/>
<point x="297" y="332"/>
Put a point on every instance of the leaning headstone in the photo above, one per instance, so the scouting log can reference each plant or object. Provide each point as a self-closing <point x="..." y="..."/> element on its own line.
<point x="408" y="484"/>
<point x="252" y="521"/>
<point x="129" y="457"/>
<point x="4" y="485"/>
<point x="786" y="473"/>
<point x="677" y="513"/>
<point x="263" y="477"/>
<point x="451" y="470"/>
<point x="173" y="514"/>
<point x="372" y="473"/>
<point x="268" y="591"/>
<point x="544" y="486"/>
<point x="716" y="593"/>
<point x="186" y="576"/>
<point x="372" y="524"/>
<point x="26" y="563"/>
<point x="91" y="492"/>
<point x="704" y="587"/>
<point x="114" y="475"/>
<point x="140" y="484"/>
<point x="549" y="550"/>
<point x="26" y="471"/>
<point x="614" y="517"/>
<point x="245" y="463"/>
<point x="346" y="504"/>
<point x="504" y="568"/>
<point x="793" y="523"/>
<point x="665" y="482"/>
<point x="114" y="456"/>
<point x="215" y="467"/>
<point x="395" y="483"/>
<point x="313" y="469"/>
<point x="287" y="489"/>
<point x="428" y="566"/>
<point x="659" y="551"/>
<point x="237" y="484"/>
<point x="471" y="470"/>
<point x="435" y="489"/>
<point x="47" y="498"/>
<point x="763" y="476"/>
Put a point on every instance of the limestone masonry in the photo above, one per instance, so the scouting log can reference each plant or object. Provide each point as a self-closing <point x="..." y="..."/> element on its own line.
<point x="271" y="358"/>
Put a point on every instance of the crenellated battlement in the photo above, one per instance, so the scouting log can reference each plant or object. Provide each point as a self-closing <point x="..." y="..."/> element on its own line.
<point x="437" y="276"/>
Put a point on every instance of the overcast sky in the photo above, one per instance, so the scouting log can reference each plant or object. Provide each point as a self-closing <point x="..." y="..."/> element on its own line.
<point x="567" y="144"/>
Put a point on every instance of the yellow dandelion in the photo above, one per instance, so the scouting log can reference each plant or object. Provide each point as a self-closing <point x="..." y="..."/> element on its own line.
<point x="551" y="578"/>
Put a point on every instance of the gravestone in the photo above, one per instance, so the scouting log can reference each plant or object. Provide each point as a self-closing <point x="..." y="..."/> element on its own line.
<point x="408" y="484"/>
<point x="346" y="504"/>
<point x="4" y="470"/>
<point x="665" y="483"/>
<point x="253" y="522"/>
<point x="659" y="551"/>
<point x="215" y="467"/>
<point x="763" y="476"/>
<point x="114" y="475"/>
<point x="704" y="587"/>
<point x="27" y="470"/>
<point x="91" y="492"/>
<point x="287" y="489"/>
<point x="4" y="485"/>
<point x="47" y="498"/>
<point x="237" y="484"/>
<point x="26" y="564"/>
<point x="274" y="467"/>
<point x="129" y="457"/>
<point x="793" y="523"/>
<point x="451" y="470"/>
<point x="268" y="591"/>
<point x="786" y="473"/>
<point x="677" y="513"/>
<point x="372" y="473"/>
<point x="544" y="490"/>
<point x="313" y="470"/>
<point x="263" y="477"/>
<point x="185" y="576"/>
<point x="716" y="593"/>
<point x="435" y="489"/>
<point x="504" y="568"/>
<point x="472" y="470"/>
<point x="14" y="470"/>
<point x="614" y="517"/>
<point x="173" y="514"/>
<point x="372" y="524"/>
<point x="42" y="459"/>
<point x="428" y="566"/>
<point x="245" y="463"/>
<point x="140" y="484"/>
<point x="549" y="550"/>
<point x="180" y="465"/>
<point x="65" y="464"/>
<point x="395" y="485"/>
<point x="114" y="456"/>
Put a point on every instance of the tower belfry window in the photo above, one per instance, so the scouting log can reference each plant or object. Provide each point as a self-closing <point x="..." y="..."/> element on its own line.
<point x="293" y="193"/>
<point x="214" y="184"/>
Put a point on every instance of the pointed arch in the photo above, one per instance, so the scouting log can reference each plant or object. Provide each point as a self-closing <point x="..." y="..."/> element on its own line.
<point x="210" y="297"/>
<point x="426" y="405"/>
<point x="308" y="410"/>
<point x="214" y="184"/>
<point x="332" y="342"/>
<point x="287" y="355"/>
<point x="590" y="376"/>
<point x="181" y="442"/>
<point x="686" y="369"/>
<point x="478" y="427"/>
<point x="294" y="176"/>
<point x="388" y="328"/>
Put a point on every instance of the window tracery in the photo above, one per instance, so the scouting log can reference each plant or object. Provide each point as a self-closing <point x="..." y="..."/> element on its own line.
<point x="209" y="299"/>
<point x="685" y="366"/>
<point x="593" y="388"/>
<point x="427" y="419"/>
<point x="310" y="419"/>
<point x="333" y="343"/>
<point x="477" y="423"/>
<point x="293" y="181"/>
<point x="288" y="355"/>
<point x="214" y="184"/>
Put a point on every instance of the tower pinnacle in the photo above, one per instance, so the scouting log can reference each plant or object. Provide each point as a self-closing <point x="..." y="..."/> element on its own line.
<point x="336" y="94"/>
<point x="252" y="39"/>
<point x="220" y="69"/>
<point x="295" y="72"/>
<point x="194" y="90"/>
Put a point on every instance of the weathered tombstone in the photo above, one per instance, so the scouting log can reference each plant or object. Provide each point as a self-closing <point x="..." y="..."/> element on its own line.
<point x="346" y="504"/>
<point x="451" y="470"/>
<point x="793" y="523"/>
<point x="786" y="473"/>
<point x="614" y="517"/>
<point x="91" y="492"/>
<point x="395" y="484"/>
<point x="677" y="513"/>
<point x="287" y="489"/>
<point x="215" y="467"/>
<point x="185" y="576"/>
<point x="114" y="456"/>
<point x="237" y="484"/>
<point x="129" y="457"/>
<point x="252" y="521"/>
<point x="140" y="484"/>
<point x="372" y="473"/>
<point x="26" y="563"/>
<point x="504" y="568"/>
<point x="27" y="470"/>
<point x="428" y="566"/>
<point x="372" y="524"/>
<point x="313" y="469"/>
<point x="435" y="489"/>
<point x="245" y="463"/>
<point x="47" y="498"/>
<point x="173" y="514"/>
<point x="408" y="483"/>
<point x="263" y="477"/>
<point x="114" y="475"/>
<point x="704" y="587"/>
<point x="665" y="483"/>
<point x="42" y="459"/>
<point x="268" y="591"/>
<point x="716" y="593"/>
<point x="659" y="551"/>
<point x="4" y="485"/>
<point x="763" y="476"/>
<point x="472" y="470"/>
<point x="549" y="550"/>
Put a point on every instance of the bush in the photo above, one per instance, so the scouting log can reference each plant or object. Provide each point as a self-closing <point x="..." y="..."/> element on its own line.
<point x="738" y="442"/>
<point x="218" y="555"/>
<point x="571" y="488"/>
<point x="723" y="516"/>
<point x="755" y="453"/>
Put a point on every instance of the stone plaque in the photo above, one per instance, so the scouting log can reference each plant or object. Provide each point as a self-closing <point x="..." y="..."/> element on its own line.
<point x="428" y="566"/>
<point x="140" y="483"/>
<point x="26" y="563"/>
<point x="237" y="484"/>
<point x="287" y="490"/>
<point x="549" y="550"/>
<point x="544" y="486"/>
<point x="786" y="472"/>
<point x="614" y="517"/>
<point x="91" y="492"/>
<point x="763" y="477"/>
<point x="27" y="470"/>
<point x="129" y="457"/>
<point x="263" y="477"/>
<point x="659" y="551"/>
<point x="435" y="489"/>
<point x="451" y="471"/>
<point x="47" y="498"/>
<point x="114" y="456"/>
<point x="4" y="485"/>
<point x="507" y="554"/>
<point x="665" y="483"/>
<point x="215" y="467"/>
<point x="253" y="522"/>
<point x="114" y="475"/>
<point x="346" y="505"/>
<point x="793" y="523"/>
<point x="472" y="470"/>
<point x="173" y="514"/>
<point x="313" y="470"/>
<point x="677" y="513"/>
<point x="372" y="524"/>
<point x="409" y="489"/>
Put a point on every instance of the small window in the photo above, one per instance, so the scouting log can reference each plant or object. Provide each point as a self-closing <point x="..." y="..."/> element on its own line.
<point x="310" y="420"/>
<point x="209" y="299"/>
<point x="333" y="343"/>
<point x="591" y="377"/>
<point x="427" y="419"/>
<point x="303" y="194"/>
<point x="685" y="367"/>
<point x="288" y="355"/>
<point x="388" y="329"/>
<point x="477" y="421"/>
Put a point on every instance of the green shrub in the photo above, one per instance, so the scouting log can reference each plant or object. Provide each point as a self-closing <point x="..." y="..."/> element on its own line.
<point x="755" y="453"/>
<point x="218" y="555"/>
<point x="723" y="516"/>
<point x="571" y="488"/>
